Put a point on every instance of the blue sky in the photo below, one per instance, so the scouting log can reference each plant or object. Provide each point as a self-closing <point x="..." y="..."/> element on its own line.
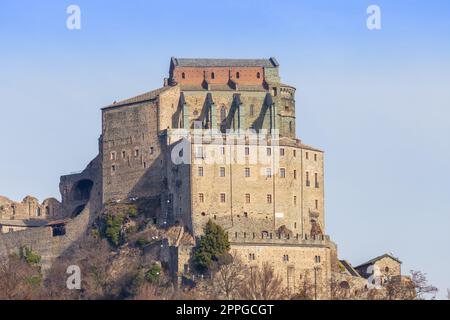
<point x="378" y="102"/>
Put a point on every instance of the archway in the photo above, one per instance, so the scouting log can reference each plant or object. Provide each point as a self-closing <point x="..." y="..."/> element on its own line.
<point x="82" y="190"/>
<point x="77" y="211"/>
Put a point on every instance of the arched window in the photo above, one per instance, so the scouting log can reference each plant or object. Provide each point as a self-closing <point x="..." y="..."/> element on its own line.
<point x="213" y="75"/>
<point x="223" y="113"/>
<point x="237" y="75"/>
<point x="258" y="75"/>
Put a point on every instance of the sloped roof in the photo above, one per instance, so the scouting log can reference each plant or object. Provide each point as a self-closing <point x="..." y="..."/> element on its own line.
<point x="349" y="268"/>
<point x="379" y="258"/>
<point x="187" y="62"/>
<point x="147" y="96"/>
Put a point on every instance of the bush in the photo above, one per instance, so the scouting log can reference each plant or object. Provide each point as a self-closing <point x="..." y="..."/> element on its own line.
<point x="29" y="256"/>
<point x="213" y="244"/>
<point x="153" y="274"/>
<point x="113" y="228"/>
<point x="141" y="242"/>
<point x="133" y="212"/>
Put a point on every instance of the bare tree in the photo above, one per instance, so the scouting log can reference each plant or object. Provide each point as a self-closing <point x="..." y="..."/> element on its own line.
<point x="421" y="286"/>
<point x="305" y="289"/>
<point x="229" y="279"/>
<point x="19" y="280"/>
<point x="262" y="284"/>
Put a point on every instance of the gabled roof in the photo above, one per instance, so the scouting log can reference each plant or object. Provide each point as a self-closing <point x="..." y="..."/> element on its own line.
<point x="349" y="268"/>
<point x="186" y="62"/>
<point x="372" y="261"/>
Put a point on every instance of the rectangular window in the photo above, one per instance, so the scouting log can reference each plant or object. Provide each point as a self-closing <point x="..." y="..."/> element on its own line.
<point x="222" y="171"/>
<point x="222" y="150"/>
<point x="286" y="258"/>
<point x="247" y="198"/>
<point x="295" y="174"/>
<point x="315" y="157"/>
<point x="247" y="172"/>
<point x="124" y="154"/>
<point x="269" y="198"/>
<point x="295" y="199"/>
<point x="199" y="152"/>
<point x="282" y="152"/>
<point x="201" y="197"/>
<point x="136" y="153"/>
<point x="113" y="156"/>
<point x="269" y="151"/>
<point x="282" y="173"/>
<point x="317" y="204"/>
<point x="307" y="156"/>
<point x="316" y="180"/>
<point x="222" y="198"/>
<point x="308" y="183"/>
<point x="200" y="171"/>
<point x="113" y="168"/>
<point x="268" y="172"/>
<point x="152" y="150"/>
<point x="317" y="259"/>
<point x="247" y="151"/>
<point x="294" y="152"/>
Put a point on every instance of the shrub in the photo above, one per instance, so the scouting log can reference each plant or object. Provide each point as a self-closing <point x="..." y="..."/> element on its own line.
<point x="153" y="274"/>
<point x="142" y="242"/>
<point x="29" y="256"/>
<point x="213" y="244"/>
<point x="133" y="212"/>
<point x="113" y="228"/>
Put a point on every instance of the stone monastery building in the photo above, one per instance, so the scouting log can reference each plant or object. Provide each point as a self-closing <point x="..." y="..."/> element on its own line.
<point x="217" y="141"/>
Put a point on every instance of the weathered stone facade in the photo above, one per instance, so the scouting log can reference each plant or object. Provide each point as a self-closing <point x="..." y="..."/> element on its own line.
<point x="267" y="193"/>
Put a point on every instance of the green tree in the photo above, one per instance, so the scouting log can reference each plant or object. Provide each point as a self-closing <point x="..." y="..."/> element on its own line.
<point x="213" y="245"/>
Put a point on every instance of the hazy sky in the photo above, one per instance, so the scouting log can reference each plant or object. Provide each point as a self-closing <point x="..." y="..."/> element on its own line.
<point x="378" y="102"/>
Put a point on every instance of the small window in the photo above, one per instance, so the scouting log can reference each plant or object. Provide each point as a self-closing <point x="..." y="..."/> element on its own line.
<point x="113" y="156"/>
<point x="247" y="172"/>
<point x="317" y="259"/>
<point x="203" y="214"/>
<point x="307" y="156"/>
<point x="258" y="75"/>
<point x="247" y="151"/>
<point x="38" y="212"/>
<point x="269" y="198"/>
<point x="113" y="168"/>
<point x="295" y="200"/>
<point x="213" y="76"/>
<point x="124" y="154"/>
<point x="269" y="151"/>
<point x="282" y="173"/>
<point x="317" y="204"/>
<point x="223" y="198"/>
<point x="315" y="157"/>
<point x="316" y="180"/>
<point x="145" y="165"/>
<point x="223" y="113"/>
<point x="295" y="174"/>
<point x="222" y="171"/>
<point x="268" y="172"/>
<point x="238" y="75"/>
<point x="245" y="214"/>
<point x="183" y="75"/>
<point x="294" y="152"/>
<point x="252" y="110"/>
<point x="308" y="183"/>
<point x="282" y="152"/>
<point x="152" y="150"/>
<point x="251" y="256"/>
<point x="200" y="171"/>
<point x="286" y="258"/>
<point x="136" y="153"/>
<point x="247" y="198"/>
<point x="201" y="197"/>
